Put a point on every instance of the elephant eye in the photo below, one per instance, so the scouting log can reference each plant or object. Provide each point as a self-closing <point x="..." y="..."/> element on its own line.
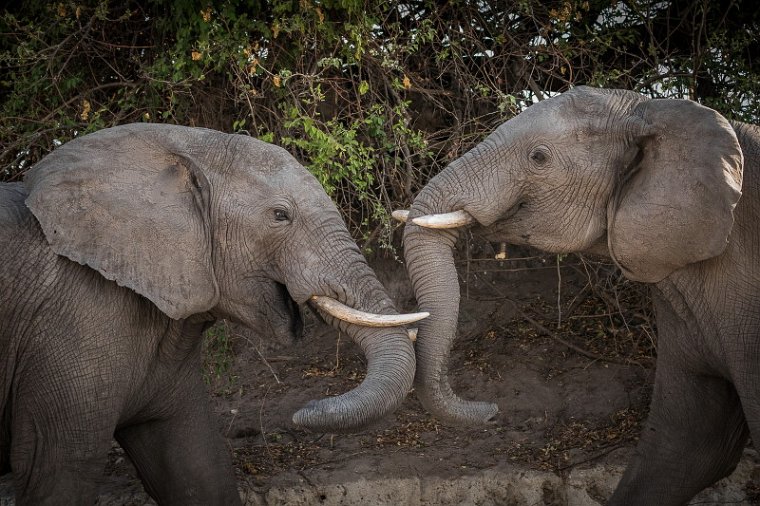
<point x="281" y="215"/>
<point x="539" y="155"/>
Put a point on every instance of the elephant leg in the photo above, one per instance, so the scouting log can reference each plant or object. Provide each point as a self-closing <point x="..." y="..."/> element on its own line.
<point x="182" y="460"/>
<point x="64" y="407"/>
<point x="746" y="378"/>
<point x="694" y="436"/>
<point x="58" y="455"/>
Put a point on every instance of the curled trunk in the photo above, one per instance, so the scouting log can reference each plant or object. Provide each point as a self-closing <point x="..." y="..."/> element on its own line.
<point x="390" y="374"/>
<point x="390" y="362"/>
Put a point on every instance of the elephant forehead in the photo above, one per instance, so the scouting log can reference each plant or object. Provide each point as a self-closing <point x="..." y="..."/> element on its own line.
<point x="541" y="119"/>
<point x="293" y="184"/>
<point x="259" y="157"/>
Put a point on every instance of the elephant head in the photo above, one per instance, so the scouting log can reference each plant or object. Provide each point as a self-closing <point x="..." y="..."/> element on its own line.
<point x="223" y="226"/>
<point x="651" y="183"/>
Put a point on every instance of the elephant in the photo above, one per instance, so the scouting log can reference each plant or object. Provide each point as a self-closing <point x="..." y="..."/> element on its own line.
<point x="670" y="191"/>
<point x="119" y="249"/>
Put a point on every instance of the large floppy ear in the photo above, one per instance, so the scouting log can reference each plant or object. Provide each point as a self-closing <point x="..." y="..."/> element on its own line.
<point x="676" y="205"/>
<point x="122" y="203"/>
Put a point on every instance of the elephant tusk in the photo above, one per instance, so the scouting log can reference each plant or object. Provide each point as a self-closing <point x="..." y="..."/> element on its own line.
<point x="412" y="333"/>
<point x="400" y="215"/>
<point x="351" y="315"/>
<point x="447" y="220"/>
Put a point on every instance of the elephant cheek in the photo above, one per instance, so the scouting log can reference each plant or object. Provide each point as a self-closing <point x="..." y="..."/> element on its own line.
<point x="267" y="308"/>
<point x="571" y="231"/>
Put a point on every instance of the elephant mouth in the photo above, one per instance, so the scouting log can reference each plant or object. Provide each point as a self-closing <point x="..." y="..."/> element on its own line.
<point x="293" y="310"/>
<point x="503" y="227"/>
<point x="280" y="315"/>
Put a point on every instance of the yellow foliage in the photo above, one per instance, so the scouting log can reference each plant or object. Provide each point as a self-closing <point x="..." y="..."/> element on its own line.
<point x="86" y="108"/>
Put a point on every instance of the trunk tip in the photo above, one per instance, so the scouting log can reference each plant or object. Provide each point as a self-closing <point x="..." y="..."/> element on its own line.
<point x="465" y="413"/>
<point x="322" y="417"/>
<point x="481" y="413"/>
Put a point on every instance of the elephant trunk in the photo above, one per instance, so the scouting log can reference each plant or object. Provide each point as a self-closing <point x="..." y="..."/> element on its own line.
<point x="430" y="263"/>
<point x="390" y="363"/>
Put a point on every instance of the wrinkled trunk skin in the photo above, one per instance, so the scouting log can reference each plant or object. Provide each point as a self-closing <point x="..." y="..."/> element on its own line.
<point x="390" y="374"/>
<point x="430" y="263"/>
<point x="389" y="353"/>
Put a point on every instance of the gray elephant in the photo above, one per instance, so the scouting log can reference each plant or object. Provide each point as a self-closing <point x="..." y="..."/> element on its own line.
<point x="656" y="186"/>
<point x="118" y="250"/>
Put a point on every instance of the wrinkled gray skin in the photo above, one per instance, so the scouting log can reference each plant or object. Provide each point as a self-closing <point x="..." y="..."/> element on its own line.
<point x="656" y="185"/>
<point x="138" y="238"/>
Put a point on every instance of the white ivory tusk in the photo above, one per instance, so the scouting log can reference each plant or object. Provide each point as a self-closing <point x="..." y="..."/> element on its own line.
<point x="351" y="315"/>
<point x="447" y="220"/>
<point x="412" y="333"/>
<point x="401" y="215"/>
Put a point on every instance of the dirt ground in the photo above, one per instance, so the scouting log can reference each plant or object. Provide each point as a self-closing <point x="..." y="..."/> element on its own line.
<point x="564" y="346"/>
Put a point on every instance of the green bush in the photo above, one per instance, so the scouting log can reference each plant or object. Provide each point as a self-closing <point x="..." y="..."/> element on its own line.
<point x="218" y="356"/>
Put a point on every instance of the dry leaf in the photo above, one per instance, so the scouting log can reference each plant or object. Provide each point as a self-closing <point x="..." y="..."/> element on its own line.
<point x="86" y="108"/>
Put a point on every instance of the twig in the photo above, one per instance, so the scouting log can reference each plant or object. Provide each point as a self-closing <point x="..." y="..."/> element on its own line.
<point x="559" y="293"/>
<point x="261" y="426"/>
<point x="579" y="298"/>
<point x="593" y="457"/>
<point x="263" y="359"/>
<point x="553" y="335"/>
<point x="337" y="353"/>
<point x="100" y="87"/>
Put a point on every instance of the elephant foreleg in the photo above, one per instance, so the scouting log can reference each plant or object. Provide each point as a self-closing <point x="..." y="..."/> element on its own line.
<point x="694" y="436"/>
<point x="57" y="459"/>
<point x="182" y="459"/>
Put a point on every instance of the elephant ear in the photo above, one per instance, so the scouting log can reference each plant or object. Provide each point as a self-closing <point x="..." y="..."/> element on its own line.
<point x="677" y="204"/>
<point x="133" y="209"/>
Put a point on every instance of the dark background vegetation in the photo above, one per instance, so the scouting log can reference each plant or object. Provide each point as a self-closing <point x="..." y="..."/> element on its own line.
<point x="374" y="97"/>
